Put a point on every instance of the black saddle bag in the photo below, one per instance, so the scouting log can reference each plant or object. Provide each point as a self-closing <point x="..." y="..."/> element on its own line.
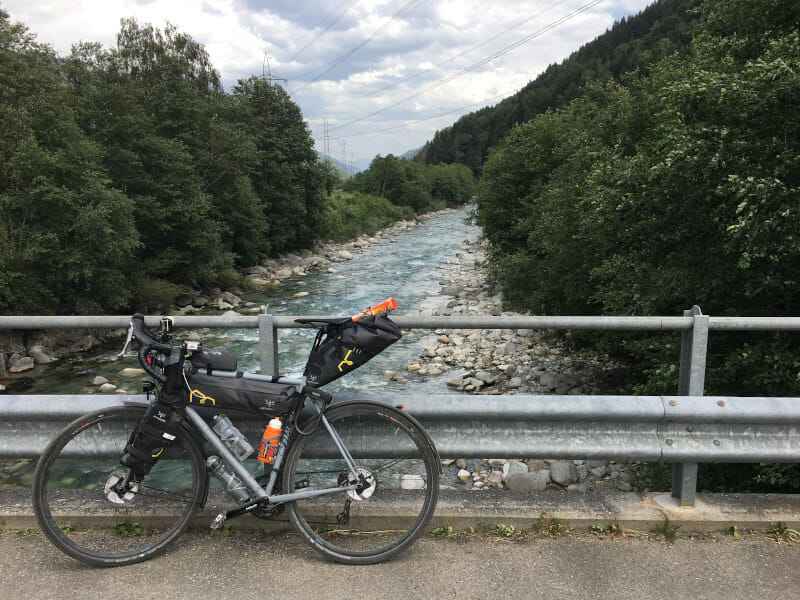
<point x="342" y="347"/>
<point x="240" y="394"/>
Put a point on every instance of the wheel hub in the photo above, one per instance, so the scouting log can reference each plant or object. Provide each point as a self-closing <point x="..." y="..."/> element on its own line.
<point x="110" y="489"/>
<point x="367" y="482"/>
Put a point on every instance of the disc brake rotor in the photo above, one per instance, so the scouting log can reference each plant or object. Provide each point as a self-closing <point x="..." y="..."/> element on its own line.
<point x="368" y="484"/>
<point x="112" y="495"/>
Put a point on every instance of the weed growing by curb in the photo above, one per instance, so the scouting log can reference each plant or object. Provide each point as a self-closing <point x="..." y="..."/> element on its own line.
<point x="670" y="532"/>
<point x="781" y="533"/>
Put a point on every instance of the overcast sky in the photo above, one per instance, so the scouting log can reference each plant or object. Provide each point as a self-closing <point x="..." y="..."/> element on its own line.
<point x="385" y="74"/>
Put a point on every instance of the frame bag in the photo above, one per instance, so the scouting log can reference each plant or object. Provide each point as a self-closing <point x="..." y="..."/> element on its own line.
<point x="238" y="393"/>
<point x="343" y="347"/>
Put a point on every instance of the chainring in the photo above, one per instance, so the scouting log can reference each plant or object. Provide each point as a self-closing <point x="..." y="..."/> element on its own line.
<point x="270" y="511"/>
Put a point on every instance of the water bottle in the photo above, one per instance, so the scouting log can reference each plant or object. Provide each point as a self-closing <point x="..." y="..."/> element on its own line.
<point x="230" y="482"/>
<point x="233" y="439"/>
<point x="269" y="441"/>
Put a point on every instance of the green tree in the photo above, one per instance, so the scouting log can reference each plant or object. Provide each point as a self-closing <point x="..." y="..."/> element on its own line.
<point x="67" y="236"/>
<point x="287" y="179"/>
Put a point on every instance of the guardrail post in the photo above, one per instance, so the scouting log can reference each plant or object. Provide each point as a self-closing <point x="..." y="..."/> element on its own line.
<point x="691" y="380"/>
<point x="268" y="343"/>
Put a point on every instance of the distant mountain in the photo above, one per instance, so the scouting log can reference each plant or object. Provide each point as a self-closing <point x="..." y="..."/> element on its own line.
<point x="345" y="170"/>
<point x="411" y="153"/>
<point x="660" y="30"/>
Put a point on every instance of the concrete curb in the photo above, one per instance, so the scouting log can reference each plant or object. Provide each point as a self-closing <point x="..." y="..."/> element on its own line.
<point x="461" y="510"/>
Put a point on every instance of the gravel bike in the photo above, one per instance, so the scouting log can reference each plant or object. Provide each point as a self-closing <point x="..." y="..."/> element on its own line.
<point x="358" y="479"/>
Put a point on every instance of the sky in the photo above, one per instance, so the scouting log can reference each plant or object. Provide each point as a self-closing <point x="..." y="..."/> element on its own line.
<point x="384" y="75"/>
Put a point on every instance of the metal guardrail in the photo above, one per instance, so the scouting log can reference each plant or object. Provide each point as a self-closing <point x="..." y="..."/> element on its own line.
<point x="653" y="428"/>
<point x="683" y="429"/>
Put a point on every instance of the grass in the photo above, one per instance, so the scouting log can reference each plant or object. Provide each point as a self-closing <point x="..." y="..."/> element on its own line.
<point x="668" y="531"/>
<point x="783" y="534"/>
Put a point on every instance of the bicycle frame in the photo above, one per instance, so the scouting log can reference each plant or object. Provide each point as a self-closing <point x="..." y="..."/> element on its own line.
<point x="259" y="493"/>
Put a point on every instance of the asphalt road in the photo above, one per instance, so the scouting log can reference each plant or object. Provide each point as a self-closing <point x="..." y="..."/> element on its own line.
<point x="576" y="566"/>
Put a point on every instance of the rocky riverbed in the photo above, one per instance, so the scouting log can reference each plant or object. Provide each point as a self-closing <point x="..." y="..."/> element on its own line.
<point x="510" y="362"/>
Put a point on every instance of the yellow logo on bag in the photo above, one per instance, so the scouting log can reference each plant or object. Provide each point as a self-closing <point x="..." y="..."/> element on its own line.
<point x="349" y="363"/>
<point x="201" y="398"/>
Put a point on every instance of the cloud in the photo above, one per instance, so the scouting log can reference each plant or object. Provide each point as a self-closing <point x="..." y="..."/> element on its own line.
<point x="346" y="60"/>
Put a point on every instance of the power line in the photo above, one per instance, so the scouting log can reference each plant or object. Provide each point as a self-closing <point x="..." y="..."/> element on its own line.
<point x="324" y="30"/>
<point x="444" y="114"/>
<point x="482" y="62"/>
<point x="517" y="25"/>
<point x="407" y="7"/>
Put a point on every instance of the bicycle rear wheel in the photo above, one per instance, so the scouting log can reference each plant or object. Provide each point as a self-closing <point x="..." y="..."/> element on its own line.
<point x="400" y="483"/>
<point x="71" y="500"/>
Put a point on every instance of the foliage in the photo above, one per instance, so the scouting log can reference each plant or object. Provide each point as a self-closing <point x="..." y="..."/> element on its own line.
<point x="421" y="187"/>
<point x="127" y="171"/>
<point x="62" y="224"/>
<point x="665" y="529"/>
<point x="502" y="530"/>
<point x="346" y="215"/>
<point x="633" y="43"/>
<point x="127" y="529"/>
<point x="676" y="188"/>
<point x="782" y="533"/>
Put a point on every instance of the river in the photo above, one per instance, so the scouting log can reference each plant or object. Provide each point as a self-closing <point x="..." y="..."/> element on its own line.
<point x="407" y="268"/>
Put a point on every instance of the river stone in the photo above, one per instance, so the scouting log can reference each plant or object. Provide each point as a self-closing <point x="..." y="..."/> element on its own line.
<point x="24" y="363"/>
<point x="464" y="475"/>
<point x="39" y="355"/>
<point x="412" y="482"/>
<point x="107" y="388"/>
<point x="451" y="290"/>
<point x="563" y="472"/>
<point x="83" y="344"/>
<point x="513" y="467"/>
<point x="486" y="377"/>
<point x="526" y="482"/>
<point x="99" y="380"/>
<point x="345" y="255"/>
<point x="300" y="294"/>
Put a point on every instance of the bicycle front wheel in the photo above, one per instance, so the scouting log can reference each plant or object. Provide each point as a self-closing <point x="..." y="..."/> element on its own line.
<point x="72" y="482"/>
<point x="399" y="483"/>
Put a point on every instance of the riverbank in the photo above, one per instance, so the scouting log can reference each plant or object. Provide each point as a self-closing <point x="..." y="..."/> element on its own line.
<point x="511" y="362"/>
<point x="26" y="354"/>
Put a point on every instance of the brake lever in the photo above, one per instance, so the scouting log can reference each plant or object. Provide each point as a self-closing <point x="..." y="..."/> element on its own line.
<point x="127" y="343"/>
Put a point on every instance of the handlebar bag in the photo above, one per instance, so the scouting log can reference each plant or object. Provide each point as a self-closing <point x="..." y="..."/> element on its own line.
<point x="240" y="394"/>
<point x="343" y="347"/>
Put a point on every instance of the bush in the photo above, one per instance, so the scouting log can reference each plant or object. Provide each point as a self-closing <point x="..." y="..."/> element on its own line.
<point x="348" y="215"/>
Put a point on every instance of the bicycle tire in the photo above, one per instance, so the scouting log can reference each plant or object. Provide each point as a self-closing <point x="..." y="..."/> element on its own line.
<point x="390" y="445"/>
<point x="69" y="495"/>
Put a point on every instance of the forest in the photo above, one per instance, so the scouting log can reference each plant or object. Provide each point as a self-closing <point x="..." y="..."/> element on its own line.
<point x="126" y="172"/>
<point x="666" y="188"/>
<point x="633" y="43"/>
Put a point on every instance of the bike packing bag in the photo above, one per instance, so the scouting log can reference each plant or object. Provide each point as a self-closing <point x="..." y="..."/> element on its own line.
<point x="211" y="359"/>
<point x="238" y="393"/>
<point x="154" y="432"/>
<point x="342" y="347"/>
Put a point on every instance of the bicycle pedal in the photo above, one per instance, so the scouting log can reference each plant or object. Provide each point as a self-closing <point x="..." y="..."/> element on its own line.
<point x="218" y="521"/>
